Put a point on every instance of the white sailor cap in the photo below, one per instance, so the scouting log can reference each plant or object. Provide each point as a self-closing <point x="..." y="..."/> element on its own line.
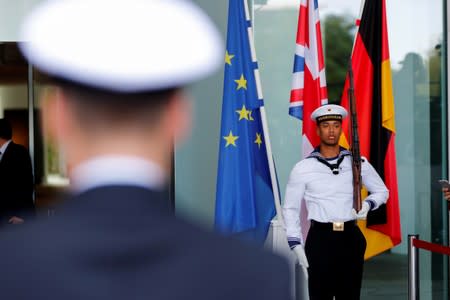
<point x="122" y="45"/>
<point x="329" y="112"/>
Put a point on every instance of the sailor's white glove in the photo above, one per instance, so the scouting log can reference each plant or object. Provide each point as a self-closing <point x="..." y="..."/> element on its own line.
<point x="362" y="214"/>
<point x="302" y="260"/>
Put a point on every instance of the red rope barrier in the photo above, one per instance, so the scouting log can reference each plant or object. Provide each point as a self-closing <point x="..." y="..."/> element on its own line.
<point x="431" y="247"/>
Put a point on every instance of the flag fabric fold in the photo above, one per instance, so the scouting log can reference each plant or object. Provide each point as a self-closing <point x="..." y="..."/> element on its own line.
<point x="375" y="114"/>
<point x="309" y="87"/>
<point x="244" y="195"/>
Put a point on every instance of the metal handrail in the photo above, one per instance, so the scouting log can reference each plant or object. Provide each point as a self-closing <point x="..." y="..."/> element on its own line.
<point x="413" y="268"/>
<point x="414" y="244"/>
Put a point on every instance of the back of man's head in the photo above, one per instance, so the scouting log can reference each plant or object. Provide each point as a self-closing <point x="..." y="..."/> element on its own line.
<point x="119" y="64"/>
<point x="106" y="109"/>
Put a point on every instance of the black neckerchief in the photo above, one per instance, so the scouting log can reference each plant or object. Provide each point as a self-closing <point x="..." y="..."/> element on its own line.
<point x="333" y="167"/>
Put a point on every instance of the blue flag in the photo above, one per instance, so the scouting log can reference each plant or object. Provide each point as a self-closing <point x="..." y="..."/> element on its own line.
<point x="244" y="197"/>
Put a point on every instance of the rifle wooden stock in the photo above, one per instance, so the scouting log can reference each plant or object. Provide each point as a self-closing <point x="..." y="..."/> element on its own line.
<point x="356" y="155"/>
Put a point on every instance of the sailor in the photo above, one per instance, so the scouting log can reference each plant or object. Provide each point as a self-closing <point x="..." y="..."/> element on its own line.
<point x="118" y="69"/>
<point x="335" y="245"/>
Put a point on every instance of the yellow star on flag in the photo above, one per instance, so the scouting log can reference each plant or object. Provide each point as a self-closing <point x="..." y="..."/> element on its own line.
<point x="231" y="139"/>
<point x="242" y="82"/>
<point x="244" y="113"/>
<point x="228" y="58"/>
<point x="258" y="140"/>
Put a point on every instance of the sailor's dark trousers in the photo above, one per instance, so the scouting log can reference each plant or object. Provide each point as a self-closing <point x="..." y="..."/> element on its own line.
<point x="335" y="260"/>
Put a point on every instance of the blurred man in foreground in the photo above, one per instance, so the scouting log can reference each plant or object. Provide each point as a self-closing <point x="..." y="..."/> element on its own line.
<point x="117" y="107"/>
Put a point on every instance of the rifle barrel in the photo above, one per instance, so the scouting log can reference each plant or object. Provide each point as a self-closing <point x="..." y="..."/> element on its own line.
<point x="356" y="155"/>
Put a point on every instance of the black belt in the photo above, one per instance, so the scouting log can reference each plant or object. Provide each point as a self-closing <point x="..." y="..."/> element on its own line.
<point x="334" y="226"/>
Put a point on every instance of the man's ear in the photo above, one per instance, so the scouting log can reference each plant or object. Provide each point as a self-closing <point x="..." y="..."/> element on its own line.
<point x="53" y="113"/>
<point x="179" y="116"/>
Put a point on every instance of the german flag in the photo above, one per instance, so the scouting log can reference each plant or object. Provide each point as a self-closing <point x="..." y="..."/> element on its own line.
<point x="376" y="124"/>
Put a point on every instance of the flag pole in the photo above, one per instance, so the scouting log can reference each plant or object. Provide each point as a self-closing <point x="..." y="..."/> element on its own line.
<point x="273" y="178"/>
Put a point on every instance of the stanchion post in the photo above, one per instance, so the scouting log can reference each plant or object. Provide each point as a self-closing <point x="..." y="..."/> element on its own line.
<point x="413" y="269"/>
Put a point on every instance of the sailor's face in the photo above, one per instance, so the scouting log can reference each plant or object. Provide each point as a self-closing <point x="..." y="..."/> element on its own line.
<point x="329" y="132"/>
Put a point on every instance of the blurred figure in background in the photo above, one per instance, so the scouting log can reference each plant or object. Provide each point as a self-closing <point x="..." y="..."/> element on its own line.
<point x="16" y="179"/>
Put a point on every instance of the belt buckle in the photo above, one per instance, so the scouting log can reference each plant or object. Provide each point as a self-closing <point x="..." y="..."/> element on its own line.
<point x="338" y="226"/>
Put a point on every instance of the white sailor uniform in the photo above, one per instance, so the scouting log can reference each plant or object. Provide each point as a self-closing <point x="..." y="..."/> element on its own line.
<point x="335" y="257"/>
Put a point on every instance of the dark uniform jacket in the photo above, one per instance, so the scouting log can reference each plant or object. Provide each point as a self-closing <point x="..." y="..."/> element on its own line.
<point x="122" y="242"/>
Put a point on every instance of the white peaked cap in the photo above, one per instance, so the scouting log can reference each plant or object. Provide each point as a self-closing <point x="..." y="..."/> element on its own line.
<point x="328" y="112"/>
<point x="122" y="45"/>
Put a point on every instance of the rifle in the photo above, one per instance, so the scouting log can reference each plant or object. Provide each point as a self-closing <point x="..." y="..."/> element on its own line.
<point x="356" y="155"/>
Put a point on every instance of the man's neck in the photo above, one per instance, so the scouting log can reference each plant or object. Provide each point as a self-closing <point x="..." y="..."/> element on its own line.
<point x="328" y="151"/>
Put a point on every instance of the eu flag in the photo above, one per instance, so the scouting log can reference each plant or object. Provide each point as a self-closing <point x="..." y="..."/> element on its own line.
<point x="244" y="196"/>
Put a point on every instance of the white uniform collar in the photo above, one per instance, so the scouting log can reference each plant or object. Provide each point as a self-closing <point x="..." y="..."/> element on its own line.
<point x="117" y="170"/>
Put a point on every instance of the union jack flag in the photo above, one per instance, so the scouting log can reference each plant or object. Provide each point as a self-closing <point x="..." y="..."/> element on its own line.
<point x="309" y="86"/>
